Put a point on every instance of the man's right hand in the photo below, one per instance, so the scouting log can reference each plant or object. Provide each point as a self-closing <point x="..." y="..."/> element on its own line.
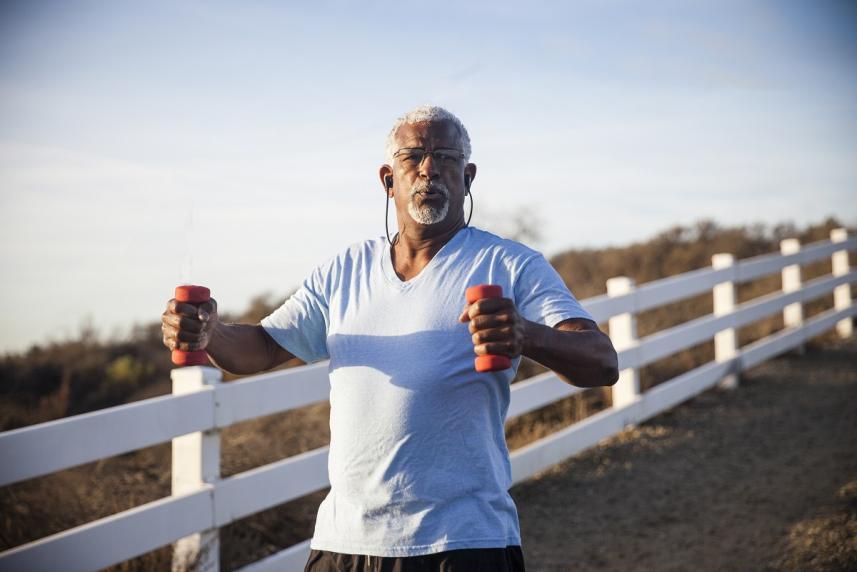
<point x="188" y="327"/>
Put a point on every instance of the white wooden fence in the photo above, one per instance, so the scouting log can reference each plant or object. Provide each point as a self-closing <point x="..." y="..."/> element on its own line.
<point x="201" y="406"/>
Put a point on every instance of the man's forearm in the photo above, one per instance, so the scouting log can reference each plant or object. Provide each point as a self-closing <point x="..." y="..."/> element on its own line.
<point x="241" y="349"/>
<point x="585" y="358"/>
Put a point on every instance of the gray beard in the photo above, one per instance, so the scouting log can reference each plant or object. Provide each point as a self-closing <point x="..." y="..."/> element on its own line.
<point x="427" y="213"/>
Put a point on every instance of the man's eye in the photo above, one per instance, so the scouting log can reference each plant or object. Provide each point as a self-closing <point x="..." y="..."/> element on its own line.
<point x="412" y="157"/>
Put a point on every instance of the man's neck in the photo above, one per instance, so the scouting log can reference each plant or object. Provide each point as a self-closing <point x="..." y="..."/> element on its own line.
<point x="414" y="248"/>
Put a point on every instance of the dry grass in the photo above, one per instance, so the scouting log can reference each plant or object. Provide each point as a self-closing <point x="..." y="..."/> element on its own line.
<point x="827" y="541"/>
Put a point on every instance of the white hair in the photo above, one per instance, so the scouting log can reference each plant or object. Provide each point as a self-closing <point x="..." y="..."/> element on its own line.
<point x="422" y="114"/>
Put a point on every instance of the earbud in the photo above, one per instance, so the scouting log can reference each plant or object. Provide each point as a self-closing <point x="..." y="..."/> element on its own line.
<point x="388" y="180"/>
<point x="467" y="184"/>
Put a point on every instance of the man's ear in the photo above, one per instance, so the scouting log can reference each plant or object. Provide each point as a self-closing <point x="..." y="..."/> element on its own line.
<point x="469" y="174"/>
<point x="386" y="175"/>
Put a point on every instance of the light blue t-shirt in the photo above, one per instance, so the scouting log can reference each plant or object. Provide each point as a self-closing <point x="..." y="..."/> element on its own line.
<point x="418" y="460"/>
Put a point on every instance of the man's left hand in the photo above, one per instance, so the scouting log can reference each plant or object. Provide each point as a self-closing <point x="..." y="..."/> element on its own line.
<point x="496" y="325"/>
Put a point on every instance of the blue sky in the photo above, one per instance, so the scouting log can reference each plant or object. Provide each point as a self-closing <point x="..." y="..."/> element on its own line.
<point x="237" y="144"/>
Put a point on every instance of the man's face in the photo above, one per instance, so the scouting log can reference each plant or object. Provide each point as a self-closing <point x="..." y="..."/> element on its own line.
<point x="429" y="188"/>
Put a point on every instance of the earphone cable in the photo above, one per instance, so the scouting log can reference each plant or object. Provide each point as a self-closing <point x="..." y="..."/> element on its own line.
<point x="469" y="194"/>
<point x="387" y="224"/>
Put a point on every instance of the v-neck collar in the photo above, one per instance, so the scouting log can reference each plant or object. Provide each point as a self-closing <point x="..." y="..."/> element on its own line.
<point x="390" y="272"/>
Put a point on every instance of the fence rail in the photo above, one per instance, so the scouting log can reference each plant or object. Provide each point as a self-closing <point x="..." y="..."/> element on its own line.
<point x="200" y="406"/>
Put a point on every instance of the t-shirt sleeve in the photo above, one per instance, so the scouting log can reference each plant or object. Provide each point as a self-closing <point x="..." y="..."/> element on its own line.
<point x="541" y="295"/>
<point x="300" y="325"/>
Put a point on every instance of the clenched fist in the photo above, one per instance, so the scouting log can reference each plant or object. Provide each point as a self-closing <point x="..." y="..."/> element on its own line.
<point x="496" y="325"/>
<point x="188" y="327"/>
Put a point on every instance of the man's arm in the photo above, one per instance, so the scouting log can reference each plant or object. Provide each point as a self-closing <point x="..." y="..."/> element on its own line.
<point x="575" y="349"/>
<point x="241" y="349"/>
<point x="245" y="349"/>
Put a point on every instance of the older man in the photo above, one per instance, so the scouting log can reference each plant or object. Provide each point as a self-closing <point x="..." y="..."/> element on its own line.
<point x="419" y="468"/>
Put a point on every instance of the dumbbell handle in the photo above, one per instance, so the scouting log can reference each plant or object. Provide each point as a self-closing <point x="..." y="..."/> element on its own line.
<point x="488" y="362"/>
<point x="195" y="295"/>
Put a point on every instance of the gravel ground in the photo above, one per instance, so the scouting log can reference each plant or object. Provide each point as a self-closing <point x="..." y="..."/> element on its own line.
<point x="762" y="478"/>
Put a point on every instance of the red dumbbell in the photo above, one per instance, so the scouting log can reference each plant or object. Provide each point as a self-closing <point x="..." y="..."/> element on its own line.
<point x="487" y="362"/>
<point x="195" y="295"/>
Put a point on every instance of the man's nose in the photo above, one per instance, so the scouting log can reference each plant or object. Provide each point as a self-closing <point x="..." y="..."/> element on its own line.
<point x="428" y="169"/>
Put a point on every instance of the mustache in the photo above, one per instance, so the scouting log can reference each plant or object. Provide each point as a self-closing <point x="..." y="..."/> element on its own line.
<point x="425" y="186"/>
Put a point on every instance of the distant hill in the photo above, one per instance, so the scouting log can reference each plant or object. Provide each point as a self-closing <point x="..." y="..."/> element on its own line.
<point x="676" y="250"/>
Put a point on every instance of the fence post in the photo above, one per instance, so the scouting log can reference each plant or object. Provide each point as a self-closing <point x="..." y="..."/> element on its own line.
<point x="196" y="461"/>
<point x="793" y="313"/>
<point x="842" y="293"/>
<point x="623" y="334"/>
<point x="725" y="341"/>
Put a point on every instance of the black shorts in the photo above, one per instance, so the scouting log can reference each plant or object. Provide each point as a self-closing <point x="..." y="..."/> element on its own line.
<point x="509" y="559"/>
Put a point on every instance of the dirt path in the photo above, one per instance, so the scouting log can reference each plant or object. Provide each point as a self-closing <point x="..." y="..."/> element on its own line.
<point x="763" y="478"/>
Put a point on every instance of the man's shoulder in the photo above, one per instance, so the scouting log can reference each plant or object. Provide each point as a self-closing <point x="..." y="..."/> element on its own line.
<point x="354" y="256"/>
<point x="506" y="247"/>
<point x="355" y="251"/>
<point x="368" y="246"/>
